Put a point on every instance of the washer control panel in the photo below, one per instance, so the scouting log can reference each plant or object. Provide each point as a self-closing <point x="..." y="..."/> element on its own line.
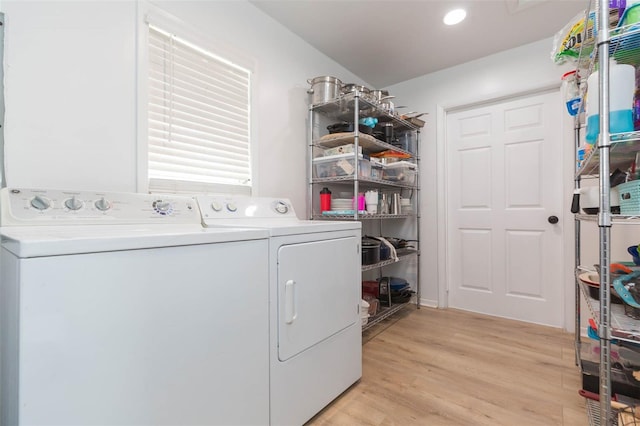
<point x="230" y="207"/>
<point x="58" y="207"/>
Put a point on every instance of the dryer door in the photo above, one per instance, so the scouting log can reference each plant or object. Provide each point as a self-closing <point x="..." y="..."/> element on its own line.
<point x="318" y="292"/>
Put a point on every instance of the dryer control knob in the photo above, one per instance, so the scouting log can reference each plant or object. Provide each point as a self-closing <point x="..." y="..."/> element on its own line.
<point x="102" y="204"/>
<point x="281" y="207"/>
<point x="163" y="207"/>
<point x="40" y="203"/>
<point x="73" y="203"/>
<point x="216" y="206"/>
<point x="232" y="207"/>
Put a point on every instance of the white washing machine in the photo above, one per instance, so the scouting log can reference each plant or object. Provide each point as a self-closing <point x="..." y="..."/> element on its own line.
<point x="121" y="309"/>
<point x="314" y="292"/>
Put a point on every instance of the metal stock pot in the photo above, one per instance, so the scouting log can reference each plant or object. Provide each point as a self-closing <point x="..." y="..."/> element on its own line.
<point x="365" y="92"/>
<point x="324" y="89"/>
<point x="370" y="251"/>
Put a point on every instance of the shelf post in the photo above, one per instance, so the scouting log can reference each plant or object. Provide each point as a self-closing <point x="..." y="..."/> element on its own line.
<point x="604" y="215"/>
<point x="356" y="148"/>
<point x="417" y="206"/>
<point x="310" y="161"/>
<point x="577" y="260"/>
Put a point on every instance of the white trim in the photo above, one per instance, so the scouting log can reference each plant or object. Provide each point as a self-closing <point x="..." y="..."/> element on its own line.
<point x="442" y="194"/>
<point x="429" y="303"/>
<point x="500" y="97"/>
<point x="142" y="159"/>
<point x="568" y="223"/>
<point x="441" y="190"/>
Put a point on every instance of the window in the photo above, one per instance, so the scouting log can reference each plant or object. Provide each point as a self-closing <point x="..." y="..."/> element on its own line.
<point x="198" y="118"/>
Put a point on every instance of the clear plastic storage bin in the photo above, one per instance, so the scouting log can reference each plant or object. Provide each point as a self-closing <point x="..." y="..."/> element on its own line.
<point x="407" y="140"/>
<point x="402" y="172"/>
<point x="342" y="149"/>
<point x="340" y="165"/>
<point x="377" y="170"/>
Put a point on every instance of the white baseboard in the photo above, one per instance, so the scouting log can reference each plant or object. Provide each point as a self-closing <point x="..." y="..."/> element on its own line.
<point x="429" y="303"/>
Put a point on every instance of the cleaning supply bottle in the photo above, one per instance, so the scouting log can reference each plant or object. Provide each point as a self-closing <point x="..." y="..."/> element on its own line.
<point x="622" y="87"/>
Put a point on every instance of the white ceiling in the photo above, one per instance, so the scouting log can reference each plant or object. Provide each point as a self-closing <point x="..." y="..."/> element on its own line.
<point x="385" y="42"/>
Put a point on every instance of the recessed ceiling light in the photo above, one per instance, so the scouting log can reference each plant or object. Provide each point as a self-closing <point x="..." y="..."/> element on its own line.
<point x="454" y="17"/>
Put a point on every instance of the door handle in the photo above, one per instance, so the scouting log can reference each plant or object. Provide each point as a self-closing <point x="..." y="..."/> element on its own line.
<point x="290" y="313"/>
<point x="553" y="219"/>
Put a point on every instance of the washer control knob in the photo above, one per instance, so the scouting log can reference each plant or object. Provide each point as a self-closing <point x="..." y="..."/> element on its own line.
<point x="73" y="203"/>
<point x="102" y="204"/>
<point x="40" y="203"/>
<point x="216" y="206"/>
<point x="163" y="207"/>
<point x="281" y="207"/>
<point x="232" y="207"/>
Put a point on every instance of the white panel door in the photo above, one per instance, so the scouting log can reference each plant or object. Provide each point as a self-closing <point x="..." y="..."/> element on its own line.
<point x="504" y="178"/>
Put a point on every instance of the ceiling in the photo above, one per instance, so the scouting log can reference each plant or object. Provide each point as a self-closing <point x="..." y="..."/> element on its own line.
<point x="385" y="42"/>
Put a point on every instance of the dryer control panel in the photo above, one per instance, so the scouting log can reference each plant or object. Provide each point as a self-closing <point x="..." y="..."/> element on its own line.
<point x="232" y="207"/>
<point x="21" y="206"/>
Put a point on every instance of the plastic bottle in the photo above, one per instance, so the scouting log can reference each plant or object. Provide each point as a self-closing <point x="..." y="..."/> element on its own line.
<point x="620" y="5"/>
<point x="325" y="200"/>
<point x="571" y="92"/>
<point x="581" y="154"/>
<point x="636" y="103"/>
<point x="636" y="110"/>
<point x="622" y="87"/>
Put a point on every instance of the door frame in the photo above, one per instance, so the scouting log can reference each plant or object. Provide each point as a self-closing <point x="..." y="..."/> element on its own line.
<point x="568" y="171"/>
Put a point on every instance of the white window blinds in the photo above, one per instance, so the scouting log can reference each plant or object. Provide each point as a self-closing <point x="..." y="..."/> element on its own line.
<point x="199" y="110"/>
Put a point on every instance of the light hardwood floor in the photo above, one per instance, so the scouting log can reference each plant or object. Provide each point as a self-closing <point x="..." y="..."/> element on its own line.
<point x="450" y="367"/>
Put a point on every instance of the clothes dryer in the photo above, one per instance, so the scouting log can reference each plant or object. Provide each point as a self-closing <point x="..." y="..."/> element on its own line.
<point x="121" y="309"/>
<point x="314" y="292"/>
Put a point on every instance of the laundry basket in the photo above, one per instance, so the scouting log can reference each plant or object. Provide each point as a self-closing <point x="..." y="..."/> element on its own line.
<point x="629" y="194"/>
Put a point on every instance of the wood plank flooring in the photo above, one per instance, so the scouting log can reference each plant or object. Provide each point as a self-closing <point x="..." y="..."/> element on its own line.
<point x="450" y="367"/>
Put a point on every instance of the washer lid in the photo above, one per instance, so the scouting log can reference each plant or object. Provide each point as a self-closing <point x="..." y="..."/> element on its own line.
<point x="38" y="241"/>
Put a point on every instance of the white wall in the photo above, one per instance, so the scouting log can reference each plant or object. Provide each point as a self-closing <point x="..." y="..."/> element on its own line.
<point x="70" y="94"/>
<point x="513" y="71"/>
<point x="70" y="77"/>
<point x="71" y="86"/>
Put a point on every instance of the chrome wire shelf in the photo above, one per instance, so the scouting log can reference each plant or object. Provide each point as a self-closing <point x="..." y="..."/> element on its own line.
<point x="362" y="216"/>
<point x="624" y="44"/>
<point x="350" y="179"/>
<point x="352" y="108"/>
<point x="401" y="256"/>
<point x="385" y="312"/>
<point x="622" y="326"/>
<point x="593" y="414"/>
<point x="366" y="141"/>
<point x="621" y="43"/>
<point x="623" y="150"/>
<point x="617" y="219"/>
<point x="342" y="108"/>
